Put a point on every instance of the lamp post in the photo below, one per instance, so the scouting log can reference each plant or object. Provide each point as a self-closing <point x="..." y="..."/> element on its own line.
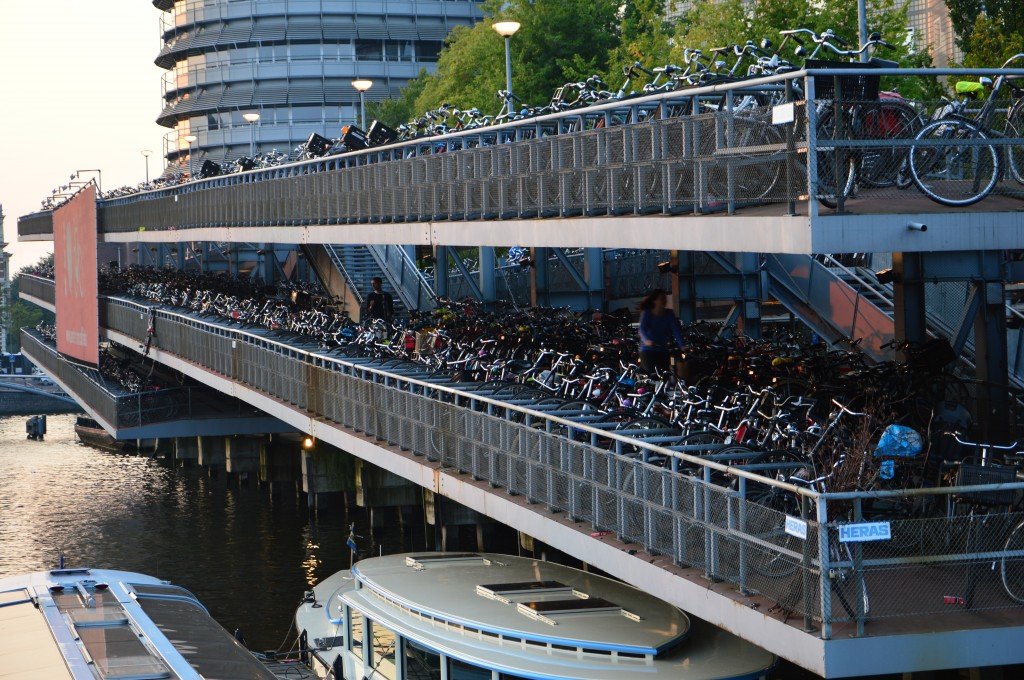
<point x="147" y="153"/>
<point x="862" y="23"/>
<point x="362" y="85"/>
<point x="507" y="29"/>
<point x="252" y="119"/>
<point x="190" y="139"/>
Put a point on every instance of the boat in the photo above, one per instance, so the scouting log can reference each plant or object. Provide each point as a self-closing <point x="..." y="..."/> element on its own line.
<point x="101" y="624"/>
<point x="91" y="434"/>
<point x="478" y="616"/>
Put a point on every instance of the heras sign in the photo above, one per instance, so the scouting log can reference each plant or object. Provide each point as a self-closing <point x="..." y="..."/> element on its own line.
<point x="865" y="531"/>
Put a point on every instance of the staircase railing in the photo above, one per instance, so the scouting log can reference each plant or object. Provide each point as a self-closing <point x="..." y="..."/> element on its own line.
<point x="339" y="262"/>
<point x="405" y="277"/>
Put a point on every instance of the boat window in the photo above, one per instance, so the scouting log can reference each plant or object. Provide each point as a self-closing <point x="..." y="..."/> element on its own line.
<point x="421" y="663"/>
<point x="383" y="650"/>
<point x="460" y="670"/>
<point x="207" y="647"/>
<point x="158" y="590"/>
<point x="357" y="632"/>
<point x="118" y="652"/>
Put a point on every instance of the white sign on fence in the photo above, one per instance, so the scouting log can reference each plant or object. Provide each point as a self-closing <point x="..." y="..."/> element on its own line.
<point x="796" y="527"/>
<point x="865" y="531"/>
<point x="783" y="113"/>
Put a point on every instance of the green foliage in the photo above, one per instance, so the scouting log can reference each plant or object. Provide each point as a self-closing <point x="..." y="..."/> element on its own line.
<point x="394" y="112"/>
<point x="22" y="315"/>
<point x="988" y="31"/>
<point x="991" y="42"/>
<point x="645" y="37"/>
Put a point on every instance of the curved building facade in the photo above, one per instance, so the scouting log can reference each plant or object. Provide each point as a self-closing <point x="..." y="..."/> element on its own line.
<point x="290" y="61"/>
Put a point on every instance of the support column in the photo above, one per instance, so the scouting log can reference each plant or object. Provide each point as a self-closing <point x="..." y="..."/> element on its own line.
<point x="186" y="451"/>
<point x="212" y="453"/>
<point x="488" y="284"/>
<point x="752" y="288"/>
<point x="280" y="464"/>
<point x="593" y="273"/>
<point x="242" y="455"/>
<point x="327" y="473"/>
<point x="990" y="352"/>
<point x="539" y="291"/>
<point x="441" y="270"/>
<point x="684" y="289"/>
<point x="909" y="297"/>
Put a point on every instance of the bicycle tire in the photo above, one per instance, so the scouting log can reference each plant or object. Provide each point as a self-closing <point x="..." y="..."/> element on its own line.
<point x="888" y="120"/>
<point x="1011" y="569"/>
<point x="829" y="170"/>
<point x="936" y="169"/>
<point x="1015" y="129"/>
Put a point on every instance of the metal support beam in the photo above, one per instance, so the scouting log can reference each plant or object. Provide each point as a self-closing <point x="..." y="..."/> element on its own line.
<point x="990" y="360"/>
<point x="539" y="291"/>
<point x="441" y="270"/>
<point x="488" y="274"/>
<point x="461" y="266"/>
<point x="574" y="273"/>
<point x="909" y="297"/>
<point x="593" y="272"/>
<point x="750" y="303"/>
<point x="684" y="285"/>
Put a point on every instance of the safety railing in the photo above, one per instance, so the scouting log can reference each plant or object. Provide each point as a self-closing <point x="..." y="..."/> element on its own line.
<point x="36" y="224"/>
<point x="37" y="287"/>
<point x="118" y="410"/>
<point x="695" y="510"/>
<point x="709" y="149"/>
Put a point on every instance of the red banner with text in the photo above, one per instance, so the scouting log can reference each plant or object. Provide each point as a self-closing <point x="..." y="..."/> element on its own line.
<point x="74" y="265"/>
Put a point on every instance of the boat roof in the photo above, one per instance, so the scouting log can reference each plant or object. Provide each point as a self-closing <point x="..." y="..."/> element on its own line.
<point x="530" y="618"/>
<point x="89" y="624"/>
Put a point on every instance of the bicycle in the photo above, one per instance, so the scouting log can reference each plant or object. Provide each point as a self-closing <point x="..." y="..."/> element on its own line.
<point x="953" y="160"/>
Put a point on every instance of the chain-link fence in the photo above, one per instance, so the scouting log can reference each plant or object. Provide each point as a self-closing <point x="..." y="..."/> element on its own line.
<point x="729" y="523"/>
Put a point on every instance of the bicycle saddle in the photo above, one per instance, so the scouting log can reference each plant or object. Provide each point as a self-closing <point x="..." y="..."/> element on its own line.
<point x="969" y="87"/>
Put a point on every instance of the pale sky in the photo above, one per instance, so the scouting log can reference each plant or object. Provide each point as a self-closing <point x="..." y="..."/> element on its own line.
<point x="78" y="89"/>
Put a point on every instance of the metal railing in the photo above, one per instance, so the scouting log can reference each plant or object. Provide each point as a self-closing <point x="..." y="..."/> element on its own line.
<point x="118" y="410"/>
<point x="36" y="224"/>
<point x="405" y="277"/>
<point x="680" y="510"/>
<point x="37" y="287"/>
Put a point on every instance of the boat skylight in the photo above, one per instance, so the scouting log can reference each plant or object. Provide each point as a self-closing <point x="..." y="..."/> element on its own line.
<point x="503" y="591"/>
<point x="422" y="561"/>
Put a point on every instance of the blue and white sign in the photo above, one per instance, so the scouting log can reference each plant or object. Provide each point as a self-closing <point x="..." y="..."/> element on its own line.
<point x="796" y="527"/>
<point x="864" y="532"/>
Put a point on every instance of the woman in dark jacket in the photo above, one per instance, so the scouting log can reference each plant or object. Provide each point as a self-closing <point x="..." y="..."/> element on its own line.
<point x="660" y="333"/>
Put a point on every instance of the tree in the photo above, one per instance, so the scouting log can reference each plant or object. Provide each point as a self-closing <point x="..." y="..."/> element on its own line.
<point x="645" y="37"/>
<point x="988" y="31"/>
<point x="22" y="316"/>
<point x="394" y="112"/>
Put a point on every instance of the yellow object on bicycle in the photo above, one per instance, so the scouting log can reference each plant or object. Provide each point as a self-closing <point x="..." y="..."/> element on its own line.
<point x="969" y="87"/>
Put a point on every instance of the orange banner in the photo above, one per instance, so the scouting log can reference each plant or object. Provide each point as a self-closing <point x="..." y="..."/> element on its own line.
<point x="74" y="264"/>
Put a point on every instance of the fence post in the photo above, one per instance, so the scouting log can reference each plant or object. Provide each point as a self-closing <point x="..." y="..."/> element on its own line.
<point x="806" y="569"/>
<point x="710" y="556"/>
<point x="823" y="562"/>
<point x="812" y="147"/>
<point x="790" y="153"/>
<point x="742" y="499"/>
<point x="858" y="569"/>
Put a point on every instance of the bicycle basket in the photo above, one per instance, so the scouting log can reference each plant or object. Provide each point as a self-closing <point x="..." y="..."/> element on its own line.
<point x="931" y="355"/>
<point x="971" y="474"/>
<point x="853" y="88"/>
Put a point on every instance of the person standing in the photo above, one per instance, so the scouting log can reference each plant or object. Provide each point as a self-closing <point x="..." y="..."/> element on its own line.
<point x="660" y="332"/>
<point x="379" y="304"/>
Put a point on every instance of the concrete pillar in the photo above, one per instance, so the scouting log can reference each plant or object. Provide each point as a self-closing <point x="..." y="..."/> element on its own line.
<point x="280" y="465"/>
<point x="327" y="473"/>
<point x="242" y="455"/>
<point x="212" y="453"/>
<point x="186" y="451"/>
<point x="443" y="513"/>
<point x="909" y="297"/>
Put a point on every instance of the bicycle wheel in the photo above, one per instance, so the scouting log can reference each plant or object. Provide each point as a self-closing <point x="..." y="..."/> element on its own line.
<point x="956" y="167"/>
<point x="1012" y="566"/>
<point x="837" y="167"/>
<point x="1015" y="129"/>
<point x="886" y="120"/>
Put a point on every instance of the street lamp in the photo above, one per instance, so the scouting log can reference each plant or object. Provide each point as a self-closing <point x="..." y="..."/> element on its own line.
<point x="252" y="119"/>
<point x="507" y="29"/>
<point x="147" y="153"/>
<point x="190" y="139"/>
<point x="362" y="85"/>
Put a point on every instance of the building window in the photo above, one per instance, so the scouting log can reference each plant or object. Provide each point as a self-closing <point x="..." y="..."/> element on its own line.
<point x="383" y="651"/>
<point x="369" y="50"/>
<point x="428" y="50"/>
<point x="460" y="670"/>
<point x="356" y="640"/>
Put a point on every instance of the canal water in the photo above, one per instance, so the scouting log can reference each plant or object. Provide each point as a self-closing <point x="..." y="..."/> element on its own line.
<point x="246" y="555"/>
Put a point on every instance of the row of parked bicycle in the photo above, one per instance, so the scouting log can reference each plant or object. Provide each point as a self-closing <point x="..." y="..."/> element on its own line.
<point x="806" y="412"/>
<point x="955" y="151"/>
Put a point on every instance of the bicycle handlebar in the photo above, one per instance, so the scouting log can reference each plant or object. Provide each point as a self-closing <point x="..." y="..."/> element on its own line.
<point x="964" y="442"/>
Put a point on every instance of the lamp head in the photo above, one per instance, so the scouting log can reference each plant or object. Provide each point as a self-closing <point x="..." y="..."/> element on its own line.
<point x="362" y="84"/>
<point x="251" y="117"/>
<point x="190" y="138"/>
<point x="147" y="153"/>
<point x="307" y="443"/>
<point x="506" y="29"/>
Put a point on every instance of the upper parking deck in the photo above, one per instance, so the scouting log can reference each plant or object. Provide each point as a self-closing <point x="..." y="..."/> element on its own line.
<point x="721" y="167"/>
